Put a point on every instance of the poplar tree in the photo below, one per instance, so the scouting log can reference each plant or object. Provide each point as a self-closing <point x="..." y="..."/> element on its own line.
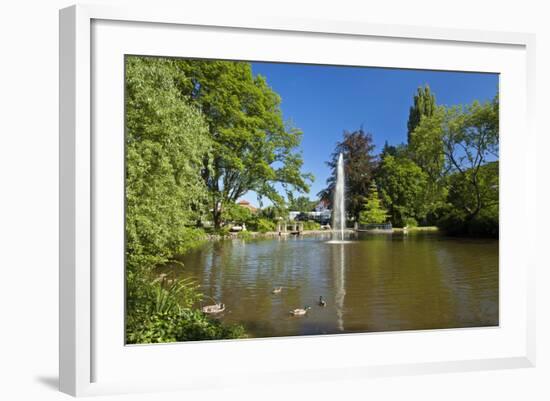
<point x="424" y="105"/>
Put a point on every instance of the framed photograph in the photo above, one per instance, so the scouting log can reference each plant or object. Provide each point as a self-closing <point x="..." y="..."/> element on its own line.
<point x="279" y="200"/>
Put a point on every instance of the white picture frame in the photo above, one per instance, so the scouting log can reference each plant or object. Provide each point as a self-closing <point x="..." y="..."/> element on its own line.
<point x="91" y="361"/>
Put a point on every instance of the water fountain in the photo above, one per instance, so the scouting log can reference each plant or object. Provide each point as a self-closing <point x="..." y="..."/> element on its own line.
<point x="338" y="205"/>
<point x="338" y="230"/>
<point x="339" y="208"/>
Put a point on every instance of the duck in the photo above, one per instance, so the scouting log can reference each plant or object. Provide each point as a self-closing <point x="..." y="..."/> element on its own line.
<point x="322" y="302"/>
<point x="300" y="311"/>
<point x="276" y="290"/>
<point x="212" y="309"/>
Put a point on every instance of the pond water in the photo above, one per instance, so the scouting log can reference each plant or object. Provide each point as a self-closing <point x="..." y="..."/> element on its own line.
<point x="375" y="283"/>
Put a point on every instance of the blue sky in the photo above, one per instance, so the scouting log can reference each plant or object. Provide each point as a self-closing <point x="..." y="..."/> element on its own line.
<point x="323" y="101"/>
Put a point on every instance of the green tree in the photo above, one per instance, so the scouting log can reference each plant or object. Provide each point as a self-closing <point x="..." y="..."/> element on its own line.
<point x="403" y="187"/>
<point x="373" y="212"/>
<point x="424" y="105"/>
<point x="458" y="219"/>
<point x="167" y="140"/>
<point x="236" y="213"/>
<point x="301" y="204"/>
<point x="359" y="167"/>
<point x="253" y="148"/>
<point x="274" y="212"/>
<point x="458" y="147"/>
<point x="425" y="148"/>
<point x="470" y="141"/>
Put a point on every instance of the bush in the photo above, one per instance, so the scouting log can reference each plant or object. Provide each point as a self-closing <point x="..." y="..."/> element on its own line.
<point x="484" y="224"/>
<point x="311" y="225"/>
<point x="159" y="312"/>
<point x="261" y="225"/>
<point x="185" y="325"/>
<point x="410" y="222"/>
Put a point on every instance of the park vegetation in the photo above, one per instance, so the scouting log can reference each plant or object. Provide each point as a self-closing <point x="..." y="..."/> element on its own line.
<point x="201" y="133"/>
<point x="445" y="175"/>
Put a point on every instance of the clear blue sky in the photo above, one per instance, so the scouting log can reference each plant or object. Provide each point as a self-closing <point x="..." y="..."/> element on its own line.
<point x="323" y="101"/>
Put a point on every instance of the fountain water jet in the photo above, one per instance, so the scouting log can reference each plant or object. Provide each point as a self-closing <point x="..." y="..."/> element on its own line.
<point x="338" y="205"/>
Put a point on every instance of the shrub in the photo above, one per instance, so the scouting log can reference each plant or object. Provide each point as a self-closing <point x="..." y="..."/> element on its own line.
<point x="311" y="225"/>
<point x="410" y="222"/>
<point x="484" y="224"/>
<point x="185" y="325"/>
<point x="261" y="225"/>
<point x="160" y="312"/>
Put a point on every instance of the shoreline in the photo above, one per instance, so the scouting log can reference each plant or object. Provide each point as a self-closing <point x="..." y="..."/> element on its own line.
<point x="275" y="234"/>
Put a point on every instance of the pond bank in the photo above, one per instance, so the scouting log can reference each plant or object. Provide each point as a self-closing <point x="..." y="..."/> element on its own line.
<point x="275" y="234"/>
<point x="269" y="234"/>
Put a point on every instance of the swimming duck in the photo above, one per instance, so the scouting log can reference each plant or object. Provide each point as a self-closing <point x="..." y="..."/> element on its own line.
<point x="300" y="311"/>
<point x="211" y="309"/>
<point x="322" y="302"/>
<point x="276" y="290"/>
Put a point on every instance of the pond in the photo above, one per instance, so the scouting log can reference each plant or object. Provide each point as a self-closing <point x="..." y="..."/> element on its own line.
<point x="382" y="282"/>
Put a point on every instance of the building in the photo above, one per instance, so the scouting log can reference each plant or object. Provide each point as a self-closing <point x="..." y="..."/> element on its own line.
<point x="246" y="204"/>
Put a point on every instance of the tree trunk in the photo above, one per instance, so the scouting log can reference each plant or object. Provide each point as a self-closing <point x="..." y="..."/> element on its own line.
<point x="217" y="217"/>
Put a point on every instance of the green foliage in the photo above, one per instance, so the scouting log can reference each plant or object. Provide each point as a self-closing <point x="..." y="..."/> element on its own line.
<point x="311" y="225"/>
<point x="262" y="225"/>
<point x="186" y="325"/>
<point x="253" y="148"/>
<point x="166" y="142"/>
<point x="236" y="213"/>
<point x="403" y="187"/>
<point x="373" y="212"/>
<point x="359" y="169"/>
<point x="463" y="198"/>
<point x="274" y="212"/>
<point x="301" y="204"/>
<point x="457" y="223"/>
<point x="426" y="143"/>
<point x="410" y="222"/>
<point x="423" y="105"/>
<point x="159" y="311"/>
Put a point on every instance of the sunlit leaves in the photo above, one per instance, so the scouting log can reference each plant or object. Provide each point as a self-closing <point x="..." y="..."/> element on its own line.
<point x="167" y="140"/>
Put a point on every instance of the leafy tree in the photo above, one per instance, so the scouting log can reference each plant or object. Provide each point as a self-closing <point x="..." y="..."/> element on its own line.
<point x="167" y="140"/>
<point x="253" y="148"/>
<point x="457" y="220"/>
<point x="424" y="105"/>
<point x="359" y="168"/>
<point x="426" y="144"/>
<point x="261" y="225"/>
<point x="236" y="213"/>
<point x="373" y="212"/>
<point x="388" y="150"/>
<point x="301" y="204"/>
<point x="470" y="141"/>
<point x="274" y="212"/>
<point x="403" y="187"/>
<point x="460" y="145"/>
<point x="425" y="148"/>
